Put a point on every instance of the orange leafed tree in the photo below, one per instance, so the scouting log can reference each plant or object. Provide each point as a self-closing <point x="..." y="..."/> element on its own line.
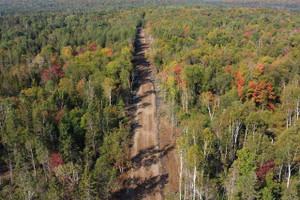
<point x="261" y="93"/>
<point x="240" y="82"/>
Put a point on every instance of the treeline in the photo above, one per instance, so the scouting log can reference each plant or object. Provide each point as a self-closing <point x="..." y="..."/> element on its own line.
<point x="291" y="5"/>
<point x="64" y="82"/>
<point x="40" y="6"/>
<point x="230" y="80"/>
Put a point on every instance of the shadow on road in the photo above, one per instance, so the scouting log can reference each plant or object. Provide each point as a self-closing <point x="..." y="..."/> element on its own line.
<point x="134" y="187"/>
<point x="143" y="188"/>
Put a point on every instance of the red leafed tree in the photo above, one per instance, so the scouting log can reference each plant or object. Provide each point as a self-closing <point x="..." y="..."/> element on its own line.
<point x="56" y="160"/>
<point x="247" y="34"/>
<point x="59" y="115"/>
<point x="263" y="169"/>
<point x="286" y="50"/>
<point x="93" y="46"/>
<point x="240" y="82"/>
<point x="80" y="51"/>
<point x="46" y="75"/>
<point x="270" y="94"/>
<point x="110" y="52"/>
<point x="296" y="30"/>
<point x="177" y="69"/>
<point x="257" y="94"/>
<point x="65" y="66"/>
<point x="228" y="69"/>
<point x="54" y="73"/>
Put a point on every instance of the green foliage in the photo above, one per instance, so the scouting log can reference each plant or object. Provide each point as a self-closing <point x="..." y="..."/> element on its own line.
<point x="231" y="81"/>
<point x="65" y="80"/>
<point x="246" y="162"/>
<point x="271" y="190"/>
<point x="230" y="78"/>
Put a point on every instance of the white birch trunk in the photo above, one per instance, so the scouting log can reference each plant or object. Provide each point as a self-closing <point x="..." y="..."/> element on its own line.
<point x="180" y="176"/>
<point x="289" y="175"/>
<point x="194" y="183"/>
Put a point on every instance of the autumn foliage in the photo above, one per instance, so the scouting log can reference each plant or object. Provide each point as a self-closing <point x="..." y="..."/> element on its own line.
<point x="260" y="68"/>
<point x="56" y="160"/>
<point x="93" y="46"/>
<point x="263" y="170"/>
<point x="80" y="51"/>
<point x="247" y="34"/>
<point x="178" y="72"/>
<point x="261" y="93"/>
<point x="54" y="73"/>
<point x="240" y="82"/>
<point x="59" y="115"/>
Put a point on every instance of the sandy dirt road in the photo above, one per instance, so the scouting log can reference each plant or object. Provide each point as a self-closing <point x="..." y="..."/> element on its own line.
<point x="148" y="176"/>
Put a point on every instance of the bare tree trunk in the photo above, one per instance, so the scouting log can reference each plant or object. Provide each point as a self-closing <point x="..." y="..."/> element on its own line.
<point x="280" y="172"/>
<point x="236" y="133"/>
<point x="246" y="133"/>
<point x="194" y="182"/>
<point x="209" y="112"/>
<point x="202" y="177"/>
<point x="32" y="160"/>
<point x="289" y="175"/>
<point x="185" y="192"/>
<point x="187" y="102"/>
<point x="180" y="175"/>
<point x="110" y="98"/>
<point x="297" y="110"/>
<point x="10" y="171"/>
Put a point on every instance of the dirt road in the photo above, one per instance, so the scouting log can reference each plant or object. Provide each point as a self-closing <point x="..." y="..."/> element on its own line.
<point x="147" y="178"/>
<point x="148" y="175"/>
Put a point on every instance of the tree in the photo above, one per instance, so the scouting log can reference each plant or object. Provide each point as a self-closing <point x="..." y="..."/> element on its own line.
<point x="192" y="76"/>
<point x="271" y="189"/>
<point x="67" y="52"/>
<point x="290" y="102"/>
<point x="55" y="161"/>
<point x="211" y="102"/>
<point x="194" y="157"/>
<point x="290" y="150"/>
<point x="85" y="185"/>
<point x="182" y="147"/>
<point x="242" y="178"/>
<point x="108" y="86"/>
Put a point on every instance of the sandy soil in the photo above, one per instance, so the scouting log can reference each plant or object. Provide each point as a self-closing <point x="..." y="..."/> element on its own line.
<point x="149" y="175"/>
<point x="146" y="172"/>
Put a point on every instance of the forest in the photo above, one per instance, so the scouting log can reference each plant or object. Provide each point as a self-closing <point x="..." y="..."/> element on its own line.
<point x="40" y="6"/>
<point x="64" y="82"/>
<point x="228" y="84"/>
<point x="230" y="79"/>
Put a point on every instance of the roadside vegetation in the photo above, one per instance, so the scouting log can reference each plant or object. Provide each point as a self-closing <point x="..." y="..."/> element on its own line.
<point x="228" y="76"/>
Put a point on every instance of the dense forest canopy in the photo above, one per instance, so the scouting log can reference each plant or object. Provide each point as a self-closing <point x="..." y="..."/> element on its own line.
<point x="230" y="79"/>
<point x="64" y="82"/>
<point x="229" y="84"/>
<point x="29" y="6"/>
